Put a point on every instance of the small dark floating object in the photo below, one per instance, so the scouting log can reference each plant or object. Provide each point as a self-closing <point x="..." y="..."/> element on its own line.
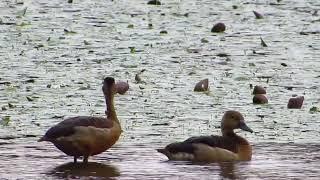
<point x="261" y="116"/>
<point x="260" y="99"/>
<point x="295" y="102"/>
<point x="258" y="15"/>
<point x="30" y="81"/>
<point x="203" y="40"/>
<point x="223" y="55"/>
<point x="137" y="76"/>
<point x="284" y="64"/>
<point x="163" y="32"/>
<point x="202" y="85"/>
<point x="259" y="90"/>
<point x="11" y="105"/>
<point x="154" y="2"/>
<point x="29" y="98"/>
<point x="160" y="124"/>
<point x="30" y="135"/>
<point x="314" y="109"/>
<point x="311" y="32"/>
<point x="70" y="1"/>
<point x="192" y="50"/>
<point x="122" y="87"/>
<point x="219" y="27"/>
<point x="289" y="88"/>
<point x="263" y="44"/>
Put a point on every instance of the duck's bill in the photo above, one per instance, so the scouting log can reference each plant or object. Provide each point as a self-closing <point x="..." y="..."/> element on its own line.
<point x="244" y="127"/>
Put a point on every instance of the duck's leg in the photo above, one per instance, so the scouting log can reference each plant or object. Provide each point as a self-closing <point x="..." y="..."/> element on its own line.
<point x="75" y="159"/>
<point x="85" y="158"/>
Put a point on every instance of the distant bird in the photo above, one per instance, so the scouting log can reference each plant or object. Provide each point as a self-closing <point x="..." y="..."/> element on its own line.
<point x="228" y="147"/>
<point x="122" y="87"/>
<point x="259" y="99"/>
<point x="295" y="102"/>
<point x="85" y="135"/>
<point x="259" y="90"/>
<point x="202" y="85"/>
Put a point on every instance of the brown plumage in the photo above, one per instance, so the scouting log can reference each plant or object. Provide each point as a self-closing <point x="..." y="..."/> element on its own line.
<point x="259" y="90"/>
<point x="228" y="147"/>
<point x="85" y="135"/>
<point x="259" y="99"/>
<point x="122" y="87"/>
<point x="295" y="102"/>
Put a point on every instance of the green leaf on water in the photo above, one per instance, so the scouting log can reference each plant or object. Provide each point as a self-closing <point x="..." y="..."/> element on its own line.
<point x="130" y="26"/>
<point x="314" y="109"/>
<point x="132" y="50"/>
<point x="22" y="24"/>
<point x="252" y="64"/>
<point x="5" y="120"/>
<point x="203" y="40"/>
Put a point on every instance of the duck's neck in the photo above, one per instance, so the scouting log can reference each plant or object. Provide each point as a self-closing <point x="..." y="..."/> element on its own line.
<point x="227" y="132"/>
<point x="110" y="111"/>
<point x="230" y="133"/>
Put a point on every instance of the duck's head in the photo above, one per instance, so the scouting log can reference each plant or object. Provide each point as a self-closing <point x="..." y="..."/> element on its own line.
<point x="109" y="86"/>
<point x="234" y="120"/>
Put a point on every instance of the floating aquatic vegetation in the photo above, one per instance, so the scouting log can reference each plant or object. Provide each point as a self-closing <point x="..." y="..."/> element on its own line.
<point x="154" y="2"/>
<point x="314" y="109"/>
<point x="5" y="120"/>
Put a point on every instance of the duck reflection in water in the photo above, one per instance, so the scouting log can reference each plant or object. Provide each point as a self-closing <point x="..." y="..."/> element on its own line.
<point x="79" y="170"/>
<point x="227" y="170"/>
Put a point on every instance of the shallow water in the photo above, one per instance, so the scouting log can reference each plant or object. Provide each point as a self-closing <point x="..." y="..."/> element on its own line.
<point x="49" y="73"/>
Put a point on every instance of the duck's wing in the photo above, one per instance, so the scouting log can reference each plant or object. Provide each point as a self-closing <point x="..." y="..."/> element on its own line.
<point x="67" y="127"/>
<point x="201" y="148"/>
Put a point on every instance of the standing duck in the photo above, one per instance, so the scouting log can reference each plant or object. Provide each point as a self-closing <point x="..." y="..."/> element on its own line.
<point x="228" y="147"/>
<point x="85" y="135"/>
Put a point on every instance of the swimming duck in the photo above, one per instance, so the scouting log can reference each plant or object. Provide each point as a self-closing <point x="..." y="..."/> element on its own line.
<point x="228" y="147"/>
<point x="259" y="99"/>
<point x="259" y="90"/>
<point x="85" y="135"/>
